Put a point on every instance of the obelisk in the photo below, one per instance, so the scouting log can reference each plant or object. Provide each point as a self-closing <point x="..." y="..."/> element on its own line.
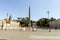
<point x="29" y="18"/>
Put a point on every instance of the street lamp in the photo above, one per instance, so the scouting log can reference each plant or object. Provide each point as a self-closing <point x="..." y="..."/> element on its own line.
<point x="48" y="18"/>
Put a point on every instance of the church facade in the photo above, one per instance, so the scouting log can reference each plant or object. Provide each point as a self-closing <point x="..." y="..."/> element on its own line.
<point x="8" y="23"/>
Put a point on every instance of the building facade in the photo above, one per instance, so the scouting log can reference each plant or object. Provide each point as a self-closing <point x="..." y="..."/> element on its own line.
<point x="55" y="24"/>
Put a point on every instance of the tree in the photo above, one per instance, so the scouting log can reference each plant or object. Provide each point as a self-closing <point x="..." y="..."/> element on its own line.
<point x="43" y="22"/>
<point x="39" y="23"/>
<point x="52" y="19"/>
<point x="27" y="21"/>
<point x="18" y="20"/>
<point x="23" y="21"/>
<point x="32" y="22"/>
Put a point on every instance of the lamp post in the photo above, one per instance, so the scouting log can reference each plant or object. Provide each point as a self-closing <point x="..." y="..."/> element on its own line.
<point x="2" y="25"/>
<point x="48" y="18"/>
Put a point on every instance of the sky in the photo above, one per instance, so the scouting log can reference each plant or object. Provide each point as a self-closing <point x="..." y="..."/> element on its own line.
<point x="39" y="8"/>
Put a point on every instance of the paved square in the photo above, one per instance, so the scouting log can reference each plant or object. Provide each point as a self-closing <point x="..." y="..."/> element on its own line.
<point x="29" y="35"/>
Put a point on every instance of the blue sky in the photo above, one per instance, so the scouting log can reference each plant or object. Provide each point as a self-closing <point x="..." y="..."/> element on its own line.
<point x="39" y="8"/>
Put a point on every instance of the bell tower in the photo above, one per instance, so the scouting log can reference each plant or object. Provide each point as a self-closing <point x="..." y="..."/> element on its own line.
<point x="10" y="18"/>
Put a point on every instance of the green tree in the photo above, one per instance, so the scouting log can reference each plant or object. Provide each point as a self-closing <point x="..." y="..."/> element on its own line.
<point x="32" y="22"/>
<point x="43" y="22"/>
<point x="27" y="21"/>
<point x="52" y="19"/>
<point x="18" y="20"/>
<point x="23" y="21"/>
